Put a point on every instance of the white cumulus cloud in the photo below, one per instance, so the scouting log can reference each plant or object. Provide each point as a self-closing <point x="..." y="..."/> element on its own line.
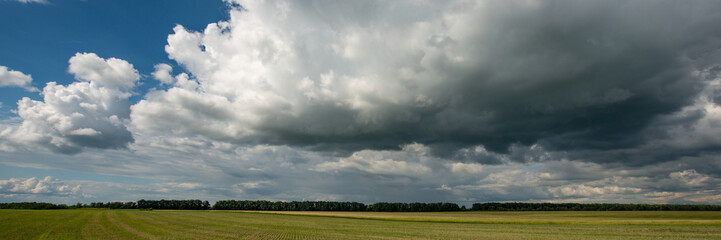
<point x="88" y="113"/>
<point x="46" y="186"/>
<point x="12" y="78"/>
<point x="407" y="162"/>
<point x="163" y="73"/>
<point x="111" y="73"/>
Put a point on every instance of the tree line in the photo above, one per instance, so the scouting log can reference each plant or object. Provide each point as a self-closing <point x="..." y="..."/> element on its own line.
<point x="32" y="205"/>
<point x="518" y="206"/>
<point x="413" y="207"/>
<point x="263" y="205"/>
<point x="260" y="205"/>
<point x="173" y="204"/>
<point x="140" y="204"/>
<point x="110" y="205"/>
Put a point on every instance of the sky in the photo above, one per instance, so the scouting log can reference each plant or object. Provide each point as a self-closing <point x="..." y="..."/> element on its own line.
<point x="367" y="101"/>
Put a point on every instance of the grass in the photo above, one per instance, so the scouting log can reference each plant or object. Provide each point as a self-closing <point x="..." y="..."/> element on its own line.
<point x="134" y="224"/>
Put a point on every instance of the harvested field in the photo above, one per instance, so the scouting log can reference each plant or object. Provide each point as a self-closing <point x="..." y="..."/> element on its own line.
<point x="134" y="224"/>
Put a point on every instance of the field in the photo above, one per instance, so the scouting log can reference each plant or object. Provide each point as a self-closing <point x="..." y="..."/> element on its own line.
<point x="135" y="224"/>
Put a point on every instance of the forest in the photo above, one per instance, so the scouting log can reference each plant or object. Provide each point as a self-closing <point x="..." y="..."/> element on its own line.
<point x="263" y="205"/>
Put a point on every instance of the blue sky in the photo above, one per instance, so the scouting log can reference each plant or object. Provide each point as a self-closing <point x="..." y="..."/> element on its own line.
<point x="39" y="38"/>
<point x="458" y="101"/>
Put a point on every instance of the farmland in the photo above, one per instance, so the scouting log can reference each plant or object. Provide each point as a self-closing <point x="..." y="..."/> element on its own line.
<point x="171" y="224"/>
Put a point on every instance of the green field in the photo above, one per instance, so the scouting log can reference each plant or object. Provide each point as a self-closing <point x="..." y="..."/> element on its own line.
<point x="135" y="224"/>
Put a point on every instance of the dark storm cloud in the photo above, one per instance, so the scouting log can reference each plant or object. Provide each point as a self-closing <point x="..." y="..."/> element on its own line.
<point x="586" y="76"/>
